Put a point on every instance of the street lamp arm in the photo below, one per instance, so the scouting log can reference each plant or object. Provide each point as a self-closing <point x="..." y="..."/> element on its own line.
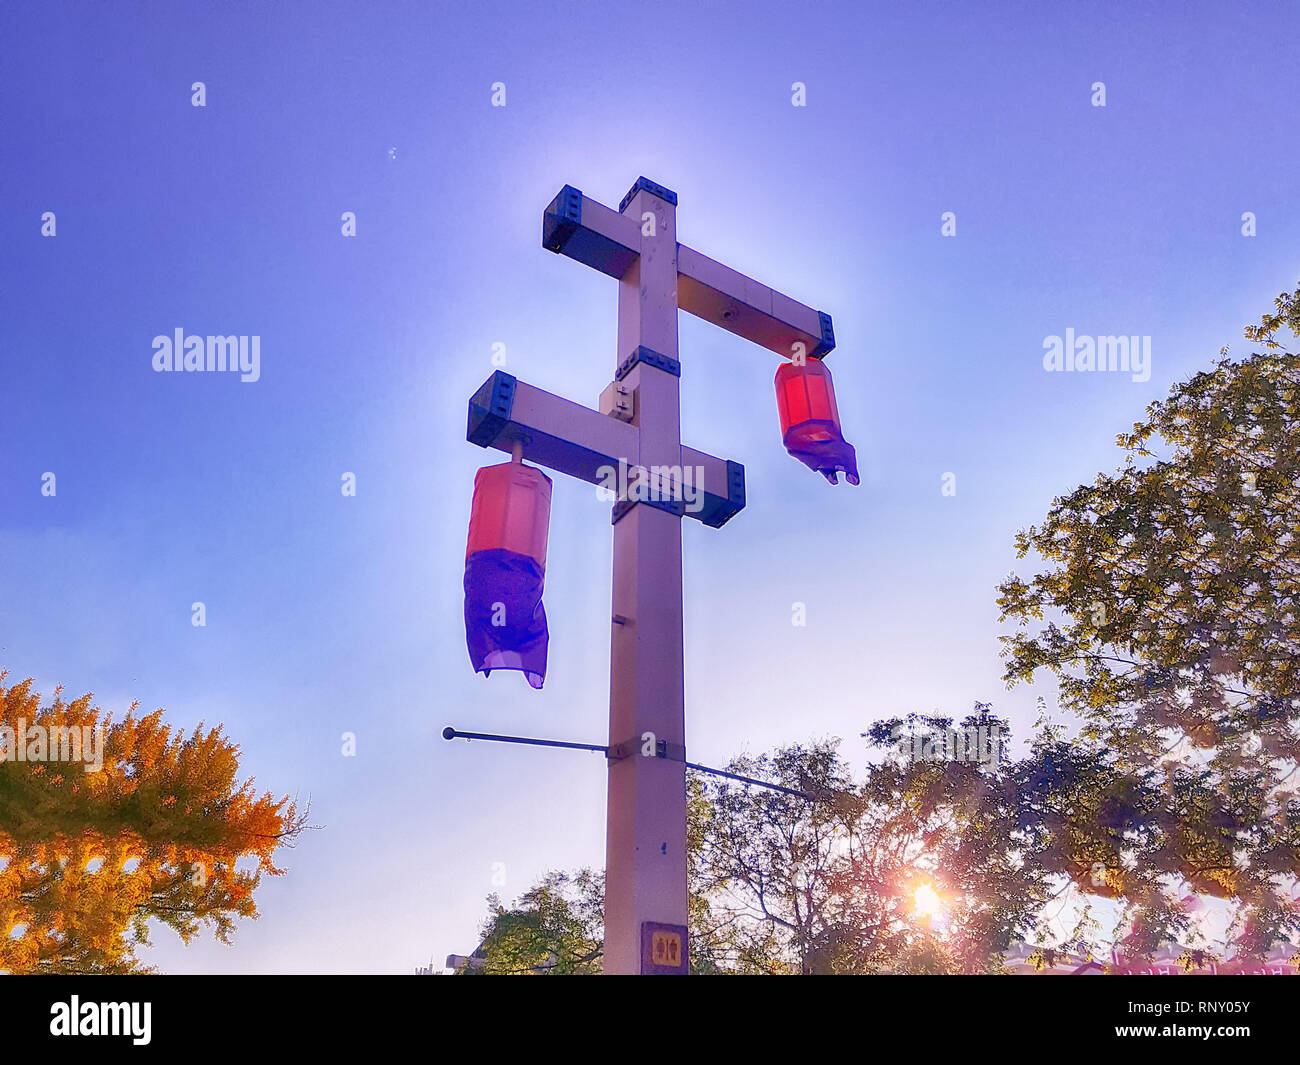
<point x="450" y="733"/>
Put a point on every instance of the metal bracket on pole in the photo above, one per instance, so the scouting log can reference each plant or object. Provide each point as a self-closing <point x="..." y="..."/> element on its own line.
<point x="675" y="507"/>
<point x="651" y="358"/>
<point x="618" y="401"/>
<point x="644" y="184"/>
<point x="673" y="752"/>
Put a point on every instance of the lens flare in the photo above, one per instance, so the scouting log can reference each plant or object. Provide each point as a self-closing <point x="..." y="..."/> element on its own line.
<point x="928" y="902"/>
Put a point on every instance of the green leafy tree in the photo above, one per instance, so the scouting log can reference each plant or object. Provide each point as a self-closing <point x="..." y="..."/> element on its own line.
<point x="1166" y="609"/>
<point x="555" y="929"/>
<point x="761" y="862"/>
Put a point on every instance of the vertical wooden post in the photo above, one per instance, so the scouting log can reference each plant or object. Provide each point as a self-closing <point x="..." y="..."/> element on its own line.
<point x="645" y="864"/>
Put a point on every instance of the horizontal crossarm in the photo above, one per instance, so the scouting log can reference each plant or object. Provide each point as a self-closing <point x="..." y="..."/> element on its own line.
<point x="577" y="226"/>
<point x="724" y="486"/>
<point x="740" y="305"/>
<point x="575" y="440"/>
<point x="610" y="241"/>
<point x="556" y="433"/>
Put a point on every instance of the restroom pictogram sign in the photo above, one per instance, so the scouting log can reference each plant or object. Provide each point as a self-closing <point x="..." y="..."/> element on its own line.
<point x="663" y="948"/>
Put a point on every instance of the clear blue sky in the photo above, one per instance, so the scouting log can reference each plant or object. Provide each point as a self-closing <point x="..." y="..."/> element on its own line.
<point x="328" y="615"/>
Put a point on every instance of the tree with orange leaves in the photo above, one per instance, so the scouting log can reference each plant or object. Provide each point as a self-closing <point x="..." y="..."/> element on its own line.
<point x="160" y="829"/>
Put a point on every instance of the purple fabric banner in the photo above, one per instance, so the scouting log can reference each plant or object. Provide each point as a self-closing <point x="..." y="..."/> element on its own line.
<point x="827" y="457"/>
<point x="505" y="622"/>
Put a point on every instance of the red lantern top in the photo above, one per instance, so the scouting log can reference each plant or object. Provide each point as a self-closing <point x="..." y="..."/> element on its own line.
<point x="511" y="510"/>
<point x="804" y="394"/>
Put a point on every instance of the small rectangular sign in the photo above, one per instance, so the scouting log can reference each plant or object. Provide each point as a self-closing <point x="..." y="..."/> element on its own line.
<point x="663" y="948"/>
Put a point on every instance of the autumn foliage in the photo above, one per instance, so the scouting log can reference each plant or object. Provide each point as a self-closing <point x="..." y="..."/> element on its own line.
<point x="163" y="831"/>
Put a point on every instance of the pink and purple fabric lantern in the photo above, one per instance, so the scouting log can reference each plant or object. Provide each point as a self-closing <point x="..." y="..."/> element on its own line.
<point x="505" y="570"/>
<point x="810" y="421"/>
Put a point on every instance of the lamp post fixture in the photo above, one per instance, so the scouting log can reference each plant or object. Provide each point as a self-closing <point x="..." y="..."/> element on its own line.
<point x="633" y="443"/>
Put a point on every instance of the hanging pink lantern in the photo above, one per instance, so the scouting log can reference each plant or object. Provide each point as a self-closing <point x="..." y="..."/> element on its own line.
<point x="505" y="570"/>
<point x="810" y="421"/>
<point x="511" y="511"/>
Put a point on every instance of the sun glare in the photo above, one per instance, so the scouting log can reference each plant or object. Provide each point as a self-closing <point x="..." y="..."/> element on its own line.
<point x="928" y="902"/>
